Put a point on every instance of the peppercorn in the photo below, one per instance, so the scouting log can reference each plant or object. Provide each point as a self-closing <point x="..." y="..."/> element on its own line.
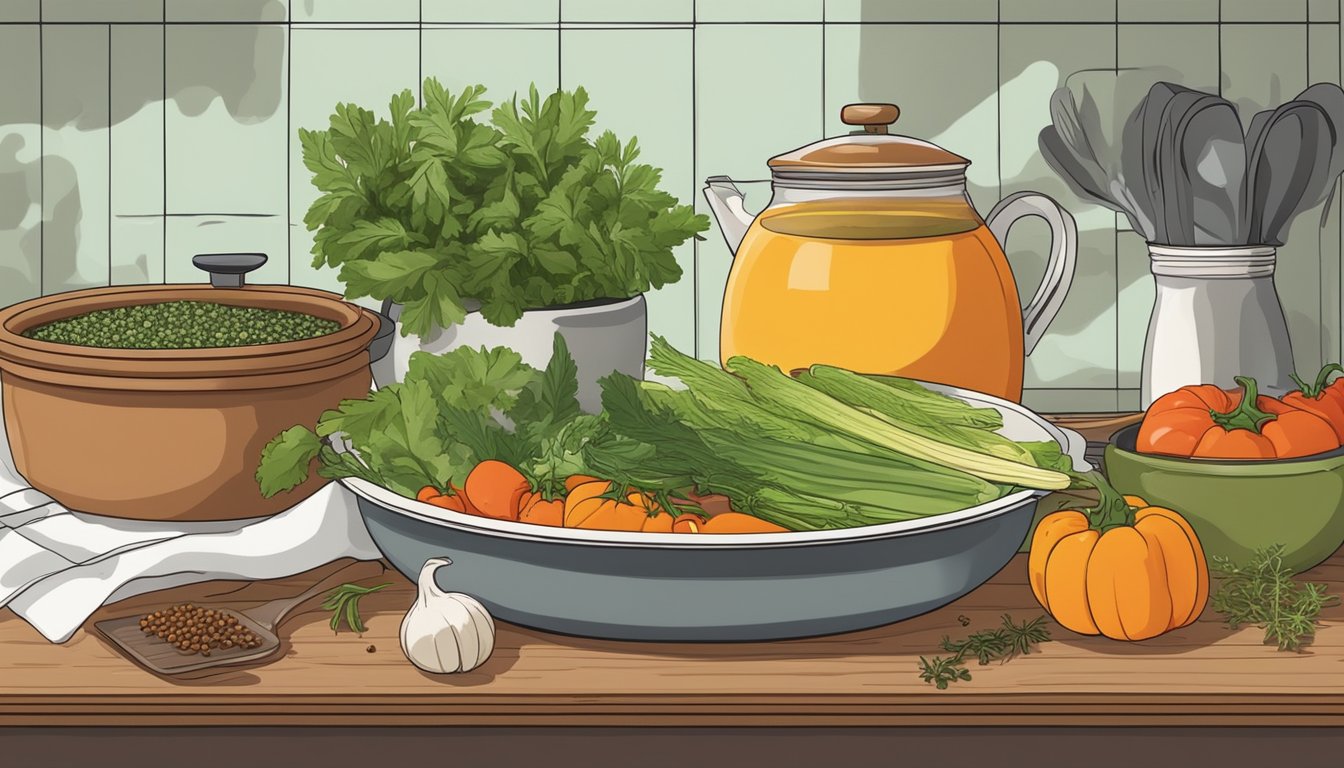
<point x="193" y="629"/>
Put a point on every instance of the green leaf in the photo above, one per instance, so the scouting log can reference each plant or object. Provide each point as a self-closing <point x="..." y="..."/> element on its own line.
<point x="378" y="237"/>
<point x="357" y="419"/>
<point x="497" y="215"/>
<point x="286" y="460"/>
<point x="389" y="277"/>
<point x="473" y="378"/>
<point x="554" y="260"/>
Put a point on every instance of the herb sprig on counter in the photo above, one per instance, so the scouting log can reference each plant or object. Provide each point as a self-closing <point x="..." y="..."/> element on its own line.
<point x="999" y="644"/>
<point x="1262" y="592"/>
<point x="343" y="602"/>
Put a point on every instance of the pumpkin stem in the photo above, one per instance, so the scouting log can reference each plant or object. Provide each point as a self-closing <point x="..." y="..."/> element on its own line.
<point x="1112" y="511"/>
<point x="1247" y="415"/>
<point x="1314" y="391"/>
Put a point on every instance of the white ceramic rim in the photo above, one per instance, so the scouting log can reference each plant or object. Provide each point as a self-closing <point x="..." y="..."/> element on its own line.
<point x="605" y="305"/>
<point x="1071" y="442"/>
<point x="1233" y="251"/>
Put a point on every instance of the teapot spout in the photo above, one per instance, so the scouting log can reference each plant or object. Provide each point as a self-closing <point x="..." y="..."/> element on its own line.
<point x="725" y="202"/>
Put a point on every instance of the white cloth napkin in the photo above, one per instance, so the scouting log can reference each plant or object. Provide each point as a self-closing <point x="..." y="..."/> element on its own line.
<point x="57" y="566"/>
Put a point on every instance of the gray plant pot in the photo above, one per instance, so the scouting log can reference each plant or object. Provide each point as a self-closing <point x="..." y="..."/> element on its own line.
<point x="603" y="336"/>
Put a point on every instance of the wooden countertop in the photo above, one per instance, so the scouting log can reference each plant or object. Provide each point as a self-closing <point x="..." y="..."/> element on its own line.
<point x="1204" y="674"/>
<point x="1201" y="675"/>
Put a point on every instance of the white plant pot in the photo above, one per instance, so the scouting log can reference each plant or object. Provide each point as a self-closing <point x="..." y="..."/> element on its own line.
<point x="603" y="336"/>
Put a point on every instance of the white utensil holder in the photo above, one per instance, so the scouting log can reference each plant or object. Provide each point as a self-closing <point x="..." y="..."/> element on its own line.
<point x="1216" y="316"/>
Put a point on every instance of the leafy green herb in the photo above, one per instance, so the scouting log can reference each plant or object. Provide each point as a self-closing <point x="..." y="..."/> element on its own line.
<point x="999" y="644"/>
<point x="343" y="602"/>
<point x="1262" y="592"/>
<point x="448" y="415"/>
<point x="432" y="208"/>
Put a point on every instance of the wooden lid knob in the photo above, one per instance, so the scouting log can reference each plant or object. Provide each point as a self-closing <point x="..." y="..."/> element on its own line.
<point x="873" y="117"/>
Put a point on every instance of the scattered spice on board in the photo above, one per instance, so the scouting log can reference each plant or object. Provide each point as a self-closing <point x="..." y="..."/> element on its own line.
<point x="193" y="629"/>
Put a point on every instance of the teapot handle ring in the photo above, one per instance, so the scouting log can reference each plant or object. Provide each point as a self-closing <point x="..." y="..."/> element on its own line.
<point x="1049" y="296"/>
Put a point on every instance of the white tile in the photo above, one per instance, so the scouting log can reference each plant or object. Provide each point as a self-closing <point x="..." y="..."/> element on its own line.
<point x="228" y="10"/>
<point x="739" y="129"/>
<point x="190" y="235"/>
<point x="647" y="99"/>
<point x="227" y="132"/>
<point x="364" y="67"/>
<point x="20" y="164"/>
<point x="75" y="171"/>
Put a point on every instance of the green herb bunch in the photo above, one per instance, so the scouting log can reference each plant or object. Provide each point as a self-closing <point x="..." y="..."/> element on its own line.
<point x="1262" y="592"/>
<point x="343" y="602"/>
<point x="999" y="644"/>
<point x="432" y="208"/>
<point x="434" y="427"/>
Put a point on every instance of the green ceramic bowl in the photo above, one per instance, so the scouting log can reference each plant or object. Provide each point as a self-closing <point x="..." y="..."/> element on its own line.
<point x="1237" y="507"/>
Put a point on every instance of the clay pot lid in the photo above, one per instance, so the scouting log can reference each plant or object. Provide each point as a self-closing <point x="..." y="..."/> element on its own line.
<point x="871" y="150"/>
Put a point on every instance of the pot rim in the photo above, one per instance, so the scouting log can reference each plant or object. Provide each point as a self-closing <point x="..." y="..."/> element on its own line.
<point x="358" y="326"/>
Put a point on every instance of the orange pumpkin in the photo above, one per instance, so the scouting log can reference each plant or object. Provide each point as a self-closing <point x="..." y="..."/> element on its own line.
<point x="1125" y="570"/>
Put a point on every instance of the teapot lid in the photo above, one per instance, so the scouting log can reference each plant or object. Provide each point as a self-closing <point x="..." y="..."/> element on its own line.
<point x="872" y="151"/>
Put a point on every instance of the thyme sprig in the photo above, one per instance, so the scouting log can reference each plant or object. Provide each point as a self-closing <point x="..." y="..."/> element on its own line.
<point x="999" y="644"/>
<point x="343" y="602"/>
<point x="1262" y="592"/>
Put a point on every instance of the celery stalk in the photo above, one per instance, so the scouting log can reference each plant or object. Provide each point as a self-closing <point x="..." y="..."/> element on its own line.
<point x="782" y="394"/>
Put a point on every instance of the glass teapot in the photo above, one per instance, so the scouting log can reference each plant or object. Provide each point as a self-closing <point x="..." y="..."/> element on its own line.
<point x="870" y="256"/>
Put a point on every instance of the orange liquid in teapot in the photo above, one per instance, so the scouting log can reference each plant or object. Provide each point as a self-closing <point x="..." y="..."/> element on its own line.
<point x="813" y="284"/>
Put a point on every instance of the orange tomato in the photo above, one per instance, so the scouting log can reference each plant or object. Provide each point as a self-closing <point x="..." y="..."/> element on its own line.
<point x="1207" y="422"/>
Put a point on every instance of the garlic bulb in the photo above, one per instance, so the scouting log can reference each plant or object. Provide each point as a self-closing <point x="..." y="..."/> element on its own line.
<point x="446" y="632"/>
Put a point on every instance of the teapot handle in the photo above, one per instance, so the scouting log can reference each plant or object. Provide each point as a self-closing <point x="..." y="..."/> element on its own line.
<point x="1049" y="297"/>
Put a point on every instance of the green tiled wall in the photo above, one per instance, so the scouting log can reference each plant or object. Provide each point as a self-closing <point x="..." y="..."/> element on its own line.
<point x="138" y="132"/>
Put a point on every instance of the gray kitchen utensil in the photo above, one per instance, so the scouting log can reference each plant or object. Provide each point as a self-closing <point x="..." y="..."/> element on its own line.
<point x="704" y="588"/>
<point x="1292" y="166"/>
<point x="163" y="659"/>
<point x="1066" y="143"/>
<point x="1087" y="150"/>
<point x="1213" y="158"/>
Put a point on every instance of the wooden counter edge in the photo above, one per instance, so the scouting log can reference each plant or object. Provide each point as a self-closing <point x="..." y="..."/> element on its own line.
<point x="1082" y="709"/>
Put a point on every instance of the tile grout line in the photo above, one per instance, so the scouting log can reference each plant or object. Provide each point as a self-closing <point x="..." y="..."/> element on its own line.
<point x="420" y="55"/>
<point x="695" y="186"/>
<point x="676" y="25"/>
<point x="289" y="150"/>
<point x="163" y="276"/>
<point x="109" y="155"/>
<point x="42" y="155"/>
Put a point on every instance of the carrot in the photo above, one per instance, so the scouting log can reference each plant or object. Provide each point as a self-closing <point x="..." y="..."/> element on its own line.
<point x="542" y="512"/>
<point x="736" y="522"/>
<point x="582" y="501"/>
<point x="461" y="495"/>
<point x="574" y="481"/>
<point x="427" y="493"/>
<point x="448" y="502"/>
<point x="688" y="523"/>
<point x="527" y="500"/>
<point x="495" y="488"/>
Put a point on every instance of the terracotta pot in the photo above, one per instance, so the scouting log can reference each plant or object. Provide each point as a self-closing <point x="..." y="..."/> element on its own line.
<point x="171" y="434"/>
